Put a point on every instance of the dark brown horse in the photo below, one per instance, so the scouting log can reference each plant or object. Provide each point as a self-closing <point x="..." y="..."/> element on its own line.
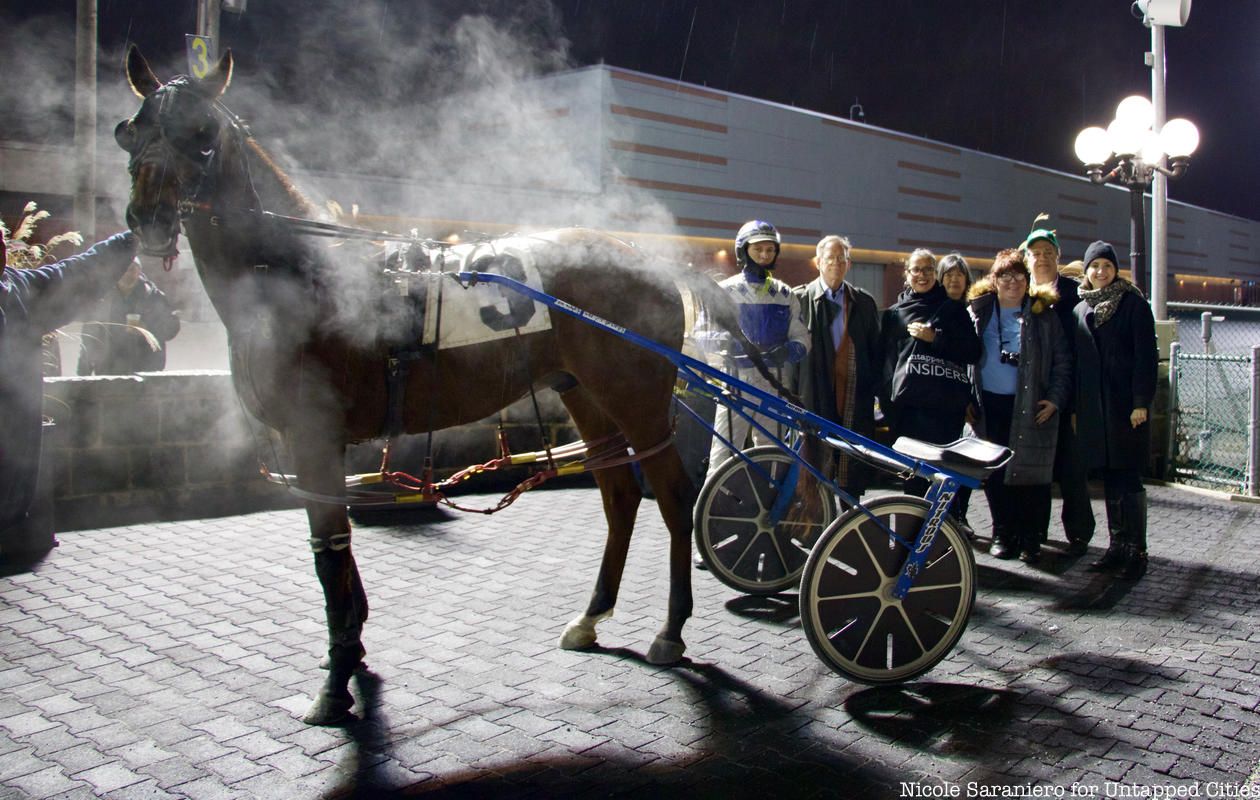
<point x="309" y="349"/>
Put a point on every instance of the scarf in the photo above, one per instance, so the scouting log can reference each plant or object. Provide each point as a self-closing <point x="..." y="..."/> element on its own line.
<point x="1105" y="301"/>
<point x="915" y="307"/>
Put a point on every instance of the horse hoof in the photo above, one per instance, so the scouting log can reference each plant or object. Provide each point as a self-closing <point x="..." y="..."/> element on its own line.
<point x="580" y="633"/>
<point x="329" y="709"/>
<point x="664" y="652"/>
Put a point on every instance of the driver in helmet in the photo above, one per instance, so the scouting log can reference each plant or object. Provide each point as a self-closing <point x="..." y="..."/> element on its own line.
<point x="769" y="315"/>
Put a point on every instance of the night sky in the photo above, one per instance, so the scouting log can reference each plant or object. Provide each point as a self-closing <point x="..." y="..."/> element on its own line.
<point x="1017" y="78"/>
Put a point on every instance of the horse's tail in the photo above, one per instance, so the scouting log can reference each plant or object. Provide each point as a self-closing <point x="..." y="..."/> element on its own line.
<point x="717" y="306"/>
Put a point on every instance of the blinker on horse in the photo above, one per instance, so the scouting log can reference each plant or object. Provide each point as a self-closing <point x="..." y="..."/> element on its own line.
<point x="315" y="371"/>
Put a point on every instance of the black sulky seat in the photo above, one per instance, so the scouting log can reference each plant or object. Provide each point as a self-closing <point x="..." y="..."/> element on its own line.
<point x="968" y="455"/>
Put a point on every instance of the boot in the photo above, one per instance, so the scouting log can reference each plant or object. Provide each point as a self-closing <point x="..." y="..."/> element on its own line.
<point x="1135" y="519"/>
<point x="1030" y="551"/>
<point x="1115" y="555"/>
<point x="1003" y="546"/>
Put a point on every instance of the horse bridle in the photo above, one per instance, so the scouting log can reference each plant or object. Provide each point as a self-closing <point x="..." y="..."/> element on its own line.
<point x="174" y="151"/>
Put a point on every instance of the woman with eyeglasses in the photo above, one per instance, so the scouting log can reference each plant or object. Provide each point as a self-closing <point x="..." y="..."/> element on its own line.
<point x="928" y="343"/>
<point x="1117" y="363"/>
<point x="1024" y="377"/>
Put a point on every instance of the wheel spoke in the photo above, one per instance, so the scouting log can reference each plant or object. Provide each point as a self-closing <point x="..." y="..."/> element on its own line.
<point x="853" y="596"/>
<point x="745" y="520"/>
<point x="934" y="587"/>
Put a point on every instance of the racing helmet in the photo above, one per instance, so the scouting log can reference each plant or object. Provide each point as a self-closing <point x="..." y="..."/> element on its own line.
<point x="756" y="230"/>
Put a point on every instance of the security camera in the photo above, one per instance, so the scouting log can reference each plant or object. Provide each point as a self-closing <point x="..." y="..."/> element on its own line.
<point x="1172" y="13"/>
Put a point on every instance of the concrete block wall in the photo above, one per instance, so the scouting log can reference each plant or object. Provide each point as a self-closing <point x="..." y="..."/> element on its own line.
<point x="178" y="445"/>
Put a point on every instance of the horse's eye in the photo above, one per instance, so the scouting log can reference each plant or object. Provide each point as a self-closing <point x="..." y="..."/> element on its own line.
<point x="125" y="135"/>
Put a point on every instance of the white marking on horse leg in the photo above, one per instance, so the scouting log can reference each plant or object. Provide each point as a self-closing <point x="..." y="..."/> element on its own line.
<point x="580" y="633"/>
<point x="338" y="541"/>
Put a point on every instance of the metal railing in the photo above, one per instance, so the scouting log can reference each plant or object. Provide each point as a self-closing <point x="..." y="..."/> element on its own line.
<point x="1214" y="381"/>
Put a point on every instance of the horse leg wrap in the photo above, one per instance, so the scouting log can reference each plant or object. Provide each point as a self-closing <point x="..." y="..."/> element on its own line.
<point x="346" y="609"/>
<point x="580" y="633"/>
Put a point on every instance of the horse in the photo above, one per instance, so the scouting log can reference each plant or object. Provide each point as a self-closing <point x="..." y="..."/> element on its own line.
<point x="312" y="365"/>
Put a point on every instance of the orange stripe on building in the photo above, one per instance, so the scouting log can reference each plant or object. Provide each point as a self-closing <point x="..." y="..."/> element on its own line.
<point x="948" y="173"/>
<point x="1071" y="198"/>
<point x="943" y="148"/>
<point x="673" y="86"/>
<point x="1243" y="234"/>
<point x="1190" y="253"/>
<point x="910" y="190"/>
<point x="970" y="248"/>
<point x="666" y="152"/>
<point x="671" y="119"/>
<point x="710" y="191"/>
<point x="1083" y="220"/>
<point x="1177" y="220"/>
<point x="955" y="223"/>
<point x="1233" y="246"/>
<point x="1245" y="261"/>
<point x="717" y="224"/>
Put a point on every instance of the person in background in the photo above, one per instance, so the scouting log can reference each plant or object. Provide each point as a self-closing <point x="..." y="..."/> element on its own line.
<point x="1024" y="377"/>
<point x="1117" y="361"/>
<point x="33" y="302"/>
<point x="115" y="343"/>
<point x="770" y="317"/>
<point x="928" y="342"/>
<point x="954" y="274"/>
<point x="1042" y="250"/>
<point x="839" y="379"/>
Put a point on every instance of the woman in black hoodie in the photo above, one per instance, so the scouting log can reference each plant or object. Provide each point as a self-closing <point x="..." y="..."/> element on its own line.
<point x="928" y="342"/>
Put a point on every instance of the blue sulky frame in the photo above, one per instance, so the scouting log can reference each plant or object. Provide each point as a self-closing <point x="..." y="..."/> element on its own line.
<point x="746" y="400"/>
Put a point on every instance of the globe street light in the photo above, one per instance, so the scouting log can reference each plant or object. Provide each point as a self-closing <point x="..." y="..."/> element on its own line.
<point x="1130" y="152"/>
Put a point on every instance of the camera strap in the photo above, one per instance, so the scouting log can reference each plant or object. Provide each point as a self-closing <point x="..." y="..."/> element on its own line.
<point x="997" y="309"/>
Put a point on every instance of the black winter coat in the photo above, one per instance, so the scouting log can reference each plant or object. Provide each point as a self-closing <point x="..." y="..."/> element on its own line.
<point x="941" y="381"/>
<point x="1117" y="363"/>
<point x="814" y="377"/>
<point x="32" y="303"/>
<point x="114" y="348"/>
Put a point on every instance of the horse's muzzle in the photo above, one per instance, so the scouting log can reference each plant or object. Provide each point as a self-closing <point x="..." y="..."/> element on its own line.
<point x="158" y="235"/>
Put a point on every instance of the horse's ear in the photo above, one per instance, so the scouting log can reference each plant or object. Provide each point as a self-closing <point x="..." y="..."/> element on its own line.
<point x="141" y="79"/>
<point x="217" y="79"/>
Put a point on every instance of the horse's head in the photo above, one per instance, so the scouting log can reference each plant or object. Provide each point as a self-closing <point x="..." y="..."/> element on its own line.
<point x="171" y="140"/>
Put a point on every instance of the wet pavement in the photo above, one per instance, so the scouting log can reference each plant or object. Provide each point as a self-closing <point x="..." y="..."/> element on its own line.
<point x="176" y="659"/>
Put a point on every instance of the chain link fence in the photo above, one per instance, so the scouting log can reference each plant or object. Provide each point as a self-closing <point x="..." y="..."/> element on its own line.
<point x="1213" y="380"/>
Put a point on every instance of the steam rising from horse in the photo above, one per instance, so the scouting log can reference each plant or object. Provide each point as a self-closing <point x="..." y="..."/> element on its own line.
<point x="313" y="367"/>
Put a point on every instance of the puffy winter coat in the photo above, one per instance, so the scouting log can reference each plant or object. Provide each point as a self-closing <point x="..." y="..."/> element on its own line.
<point x="1045" y="373"/>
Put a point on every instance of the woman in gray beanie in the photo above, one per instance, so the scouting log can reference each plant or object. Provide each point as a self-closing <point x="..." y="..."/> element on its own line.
<point x="1116" y="369"/>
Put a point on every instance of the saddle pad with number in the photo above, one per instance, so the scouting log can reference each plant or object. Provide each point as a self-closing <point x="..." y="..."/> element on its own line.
<point x="486" y="311"/>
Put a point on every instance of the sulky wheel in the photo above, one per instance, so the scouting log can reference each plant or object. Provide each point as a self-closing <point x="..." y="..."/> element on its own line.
<point x="733" y="527"/>
<point x="853" y="621"/>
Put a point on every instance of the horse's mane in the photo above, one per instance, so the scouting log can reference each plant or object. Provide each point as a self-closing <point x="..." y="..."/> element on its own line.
<point x="285" y="184"/>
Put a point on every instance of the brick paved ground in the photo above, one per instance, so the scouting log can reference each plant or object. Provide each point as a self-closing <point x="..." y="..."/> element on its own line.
<point x="173" y="660"/>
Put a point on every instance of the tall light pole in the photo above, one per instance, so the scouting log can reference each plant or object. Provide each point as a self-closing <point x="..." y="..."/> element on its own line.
<point x="85" y="120"/>
<point x="1156" y="14"/>
<point x="208" y="20"/>
<point x="1131" y="152"/>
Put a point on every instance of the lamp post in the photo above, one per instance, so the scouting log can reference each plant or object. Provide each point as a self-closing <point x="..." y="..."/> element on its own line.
<point x="1130" y="152"/>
